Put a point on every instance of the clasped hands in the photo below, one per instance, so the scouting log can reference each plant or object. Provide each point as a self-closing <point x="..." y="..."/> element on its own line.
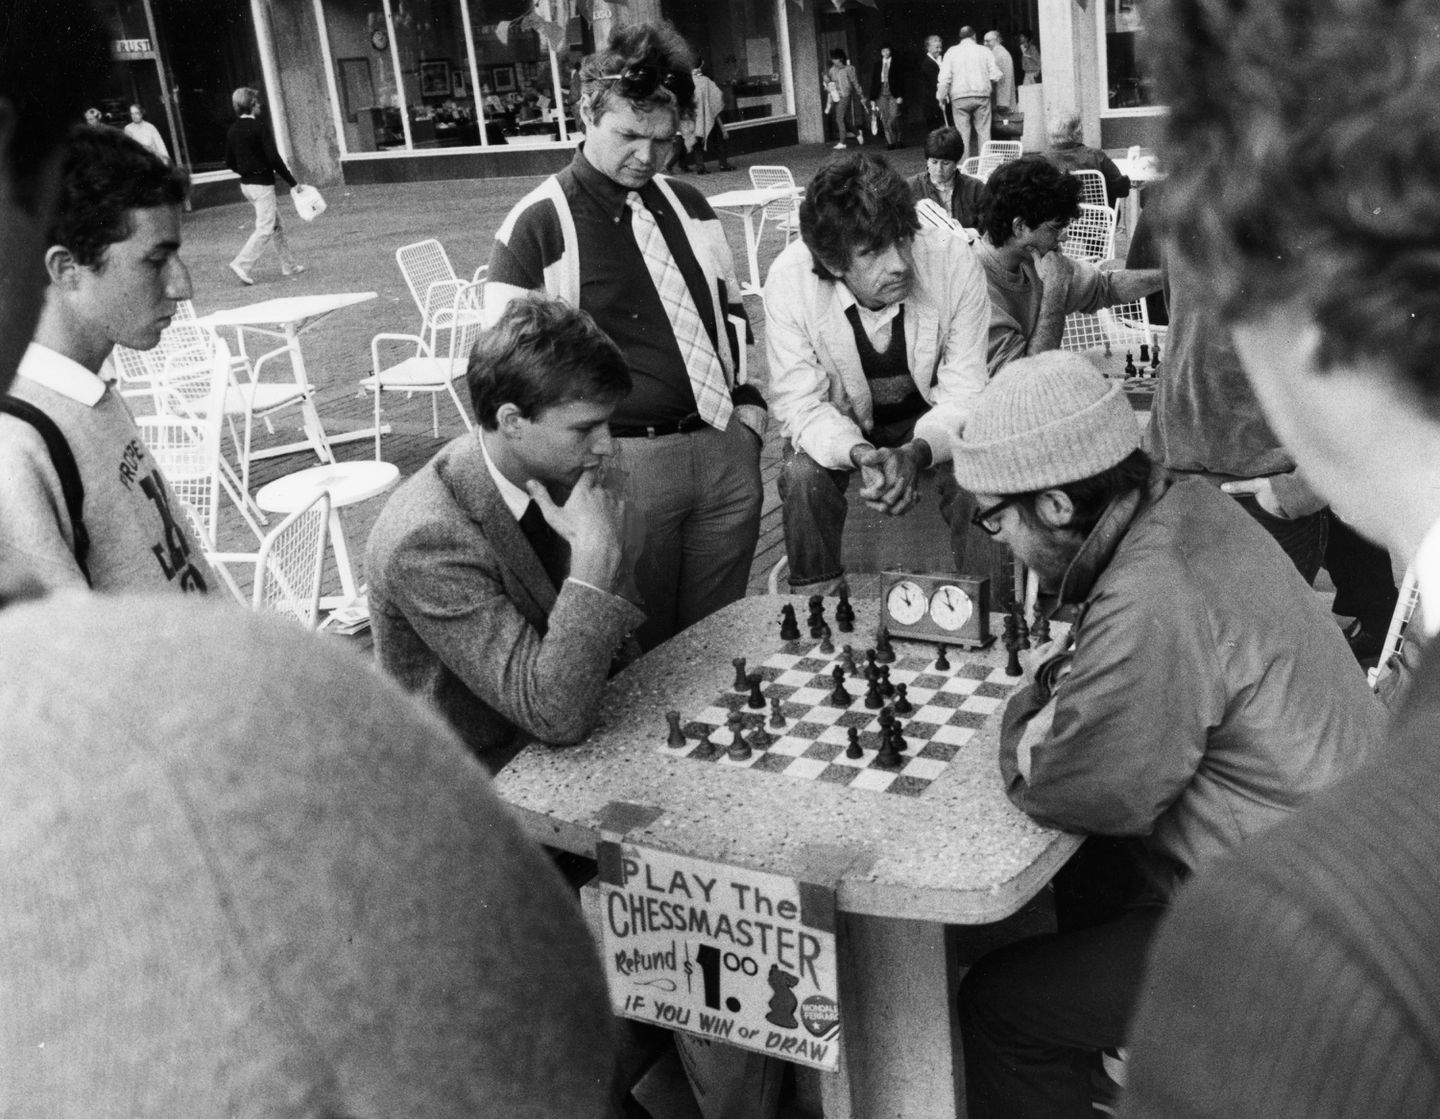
<point x="889" y="476"/>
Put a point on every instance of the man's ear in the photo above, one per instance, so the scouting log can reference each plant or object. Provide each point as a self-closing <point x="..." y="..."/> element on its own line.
<point x="508" y="419"/>
<point x="1018" y="229"/>
<point x="62" y="268"/>
<point x="1054" y="508"/>
<point x="587" y="109"/>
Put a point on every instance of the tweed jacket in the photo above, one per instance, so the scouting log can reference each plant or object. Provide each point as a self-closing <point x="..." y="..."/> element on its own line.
<point x="898" y="75"/>
<point x="465" y="615"/>
<point x="818" y="389"/>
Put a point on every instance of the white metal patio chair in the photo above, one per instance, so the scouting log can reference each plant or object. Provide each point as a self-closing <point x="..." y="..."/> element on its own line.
<point x="422" y="370"/>
<point x="1091" y="236"/>
<point x="1092" y="188"/>
<point x="783" y="213"/>
<point x="993" y="153"/>
<point x="1122" y="328"/>
<point x="289" y="565"/>
<point x="433" y="284"/>
<point x="1399" y="620"/>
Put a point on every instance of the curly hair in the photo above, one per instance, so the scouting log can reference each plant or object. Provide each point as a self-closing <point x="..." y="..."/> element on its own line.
<point x="542" y="353"/>
<point x="105" y="176"/>
<point x="1292" y="189"/>
<point x="655" y="44"/>
<point x="1030" y="188"/>
<point x="855" y="203"/>
<point x="945" y="143"/>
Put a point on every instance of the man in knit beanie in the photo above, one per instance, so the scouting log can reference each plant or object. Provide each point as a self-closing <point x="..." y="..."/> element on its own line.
<point x="1200" y="695"/>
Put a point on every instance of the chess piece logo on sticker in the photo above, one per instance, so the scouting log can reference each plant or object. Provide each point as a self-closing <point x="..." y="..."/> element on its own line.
<point x="782" y="1001"/>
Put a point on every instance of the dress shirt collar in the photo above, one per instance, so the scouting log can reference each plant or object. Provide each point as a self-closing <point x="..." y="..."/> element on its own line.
<point x="516" y="499"/>
<point x="59" y="373"/>
<point x="1427" y="575"/>
<point x="873" y="320"/>
<point x="606" y="191"/>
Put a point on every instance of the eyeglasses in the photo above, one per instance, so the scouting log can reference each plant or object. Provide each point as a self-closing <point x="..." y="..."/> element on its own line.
<point x="983" y="517"/>
<point x="635" y="82"/>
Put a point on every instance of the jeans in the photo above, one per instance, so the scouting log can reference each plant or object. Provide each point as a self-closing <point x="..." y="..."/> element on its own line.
<point x="968" y="112"/>
<point x="889" y="118"/>
<point x="267" y="225"/>
<point x="1033" y="1015"/>
<point x="700" y="495"/>
<point x="814" y="508"/>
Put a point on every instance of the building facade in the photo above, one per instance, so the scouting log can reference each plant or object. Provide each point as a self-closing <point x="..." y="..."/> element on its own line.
<point x="401" y="90"/>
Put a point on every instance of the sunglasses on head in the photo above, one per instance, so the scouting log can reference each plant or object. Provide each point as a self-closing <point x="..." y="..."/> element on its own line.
<point x="636" y="82"/>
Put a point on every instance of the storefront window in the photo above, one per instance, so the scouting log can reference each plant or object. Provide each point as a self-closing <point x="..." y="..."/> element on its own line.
<point x="441" y="50"/>
<point x="744" y="50"/>
<point x="1127" y="83"/>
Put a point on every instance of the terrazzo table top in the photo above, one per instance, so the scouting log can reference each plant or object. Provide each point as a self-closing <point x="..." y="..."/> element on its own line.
<point x="958" y="853"/>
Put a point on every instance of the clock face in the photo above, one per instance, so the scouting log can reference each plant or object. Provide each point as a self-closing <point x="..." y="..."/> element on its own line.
<point x="906" y="602"/>
<point x="950" y="608"/>
<point x="379" y="38"/>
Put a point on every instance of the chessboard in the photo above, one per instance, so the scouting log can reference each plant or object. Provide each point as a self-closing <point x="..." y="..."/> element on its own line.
<point x="948" y="707"/>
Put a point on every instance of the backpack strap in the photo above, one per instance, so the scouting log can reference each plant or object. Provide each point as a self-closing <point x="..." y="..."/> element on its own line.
<point x="63" y="459"/>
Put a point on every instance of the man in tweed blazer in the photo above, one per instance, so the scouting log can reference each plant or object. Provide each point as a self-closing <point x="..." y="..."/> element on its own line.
<point x="496" y="572"/>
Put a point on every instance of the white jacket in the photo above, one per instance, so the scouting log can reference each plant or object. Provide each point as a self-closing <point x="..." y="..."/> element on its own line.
<point x="818" y="390"/>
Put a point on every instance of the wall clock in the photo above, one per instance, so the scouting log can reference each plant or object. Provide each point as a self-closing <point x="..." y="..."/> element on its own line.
<point x="954" y="609"/>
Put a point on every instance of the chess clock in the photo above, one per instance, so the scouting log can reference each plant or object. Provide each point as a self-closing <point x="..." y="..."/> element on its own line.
<point x="954" y="609"/>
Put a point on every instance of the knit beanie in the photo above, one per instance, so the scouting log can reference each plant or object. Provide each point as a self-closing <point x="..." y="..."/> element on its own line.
<point x="1044" y="421"/>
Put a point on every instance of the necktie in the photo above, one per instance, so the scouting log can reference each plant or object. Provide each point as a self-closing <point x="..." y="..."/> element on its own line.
<point x="707" y="375"/>
<point x="549" y="547"/>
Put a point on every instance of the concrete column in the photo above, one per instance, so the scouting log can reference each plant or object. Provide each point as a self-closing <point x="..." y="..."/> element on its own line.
<point x="1070" y="68"/>
<point x="805" y="68"/>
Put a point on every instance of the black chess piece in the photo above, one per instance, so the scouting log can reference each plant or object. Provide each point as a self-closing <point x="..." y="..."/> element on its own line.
<point x="871" y="668"/>
<point x="839" y="697"/>
<point x="942" y="662"/>
<point x="756" y="702"/>
<point x="1144" y="353"/>
<point x="1155" y="358"/>
<point x="777" y="719"/>
<point x="738" y="749"/>
<point x="844" y="612"/>
<point x="758" y="739"/>
<point x="897" y="737"/>
<point x="742" y="683"/>
<point x="873" y="699"/>
<point x="1130" y="370"/>
<point x="847" y="661"/>
<point x="853" y="751"/>
<point x="886" y="688"/>
<point x="884" y="651"/>
<point x="1022" y="630"/>
<point x="903" y="706"/>
<point x="827" y="646"/>
<point x="789" y="627"/>
<point x="1041" y="629"/>
<point x="888" y="757"/>
<point x="817" y="614"/>
<point x="677" y="736"/>
<point x="704" y="750"/>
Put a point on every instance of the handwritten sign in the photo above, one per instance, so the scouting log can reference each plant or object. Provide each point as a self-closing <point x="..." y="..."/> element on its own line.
<point x="730" y="954"/>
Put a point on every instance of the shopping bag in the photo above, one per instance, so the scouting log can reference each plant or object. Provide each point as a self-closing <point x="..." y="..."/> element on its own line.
<point x="308" y="203"/>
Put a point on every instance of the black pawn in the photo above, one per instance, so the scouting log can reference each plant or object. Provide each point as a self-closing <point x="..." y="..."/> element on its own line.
<point x="873" y="699"/>
<point x="888" y="757"/>
<point x="884" y="651"/>
<point x="903" y="706"/>
<point x="756" y="702"/>
<point x="1130" y="370"/>
<point x="942" y="662"/>
<point x="853" y="750"/>
<point x="742" y="682"/>
<point x="758" y="739"/>
<point x="847" y="661"/>
<point x="1041" y="629"/>
<point x="817" y="614"/>
<point x="827" y="646"/>
<point x="704" y="749"/>
<point x="1022" y="630"/>
<point x="886" y="688"/>
<point x="677" y="736"/>
<point x="844" y="612"/>
<point x="839" y="697"/>
<point x="871" y="668"/>
<point x="777" y="720"/>
<point x="789" y="627"/>
<point x="736" y="726"/>
<point x="897" y="740"/>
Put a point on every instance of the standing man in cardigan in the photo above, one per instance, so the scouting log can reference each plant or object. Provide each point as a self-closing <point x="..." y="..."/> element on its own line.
<point x="648" y="259"/>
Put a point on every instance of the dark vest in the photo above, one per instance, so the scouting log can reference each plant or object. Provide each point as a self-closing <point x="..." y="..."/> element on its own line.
<point x="892" y="389"/>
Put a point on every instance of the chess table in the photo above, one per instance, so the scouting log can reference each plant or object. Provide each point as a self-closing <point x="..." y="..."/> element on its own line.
<point x="922" y="883"/>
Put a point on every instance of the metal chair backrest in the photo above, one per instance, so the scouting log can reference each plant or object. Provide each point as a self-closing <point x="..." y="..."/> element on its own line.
<point x="931" y="213"/>
<point x="1092" y="188"/>
<point x="771" y="177"/>
<point x="465" y="320"/>
<point x="291" y="561"/>
<point x="1394" y="637"/>
<point x="971" y="167"/>
<point x="1091" y="236"/>
<point x="429" y="276"/>
<point x="1118" y="329"/>
<point x="993" y="153"/>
